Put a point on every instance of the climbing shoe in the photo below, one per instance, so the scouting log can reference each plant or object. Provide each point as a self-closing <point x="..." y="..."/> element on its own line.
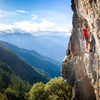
<point x="90" y="50"/>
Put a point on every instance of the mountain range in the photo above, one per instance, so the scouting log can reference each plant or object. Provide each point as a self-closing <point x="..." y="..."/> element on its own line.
<point x="47" y="46"/>
<point x="43" y="64"/>
<point x="20" y="67"/>
<point x="41" y="53"/>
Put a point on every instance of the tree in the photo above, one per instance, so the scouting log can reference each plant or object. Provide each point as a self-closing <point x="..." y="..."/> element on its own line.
<point x="21" y="92"/>
<point x="3" y="97"/>
<point x="38" y="92"/>
<point x="58" y="90"/>
<point x="55" y="89"/>
<point x="11" y="94"/>
<point x="2" y="84"/>
<point x="15" y="95"/>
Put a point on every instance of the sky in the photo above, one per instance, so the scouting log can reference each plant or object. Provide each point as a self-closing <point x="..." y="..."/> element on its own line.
<point x="37" y="17"/>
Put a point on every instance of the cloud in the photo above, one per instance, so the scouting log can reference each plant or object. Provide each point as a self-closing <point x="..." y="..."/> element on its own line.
<point x="0" y="15"/>
<point x="44" y="27"/>
<point x="31" y="26"/>
<point x="1" y="11"/>
<point x="51" y="19"/>
<point x="6" y="13"/>
<point x="34" y="17"/>
<point x="21" y="11"/>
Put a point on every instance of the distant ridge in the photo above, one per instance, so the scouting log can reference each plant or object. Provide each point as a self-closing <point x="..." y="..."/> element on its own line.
<point x="20" y="67"/>
<point x="36" y="60"/>
<point x="44" y="46"/>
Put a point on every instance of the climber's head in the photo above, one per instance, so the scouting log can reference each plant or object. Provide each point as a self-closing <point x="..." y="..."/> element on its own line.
<point x="86" y="27"/>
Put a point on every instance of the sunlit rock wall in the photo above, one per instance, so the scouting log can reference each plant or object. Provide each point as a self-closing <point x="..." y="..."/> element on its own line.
<point x="81" y="70"/>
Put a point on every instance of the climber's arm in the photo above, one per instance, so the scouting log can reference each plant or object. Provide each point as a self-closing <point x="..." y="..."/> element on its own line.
<point x="84" y="24"/>
<point x="89" y="33"/>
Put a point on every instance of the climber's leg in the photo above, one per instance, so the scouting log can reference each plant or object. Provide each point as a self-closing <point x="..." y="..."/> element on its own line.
<point x="86" y="44"/>
<point x="90" y="44"/>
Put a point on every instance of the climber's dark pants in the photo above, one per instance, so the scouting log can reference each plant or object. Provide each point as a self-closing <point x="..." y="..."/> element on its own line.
<point x="88" y="42"/>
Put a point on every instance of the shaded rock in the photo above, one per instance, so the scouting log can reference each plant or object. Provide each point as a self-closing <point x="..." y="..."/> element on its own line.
<point x="81" y="88"/>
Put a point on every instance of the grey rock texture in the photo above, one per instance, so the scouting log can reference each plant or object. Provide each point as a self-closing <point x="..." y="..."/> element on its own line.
<point x="82" y="70"/>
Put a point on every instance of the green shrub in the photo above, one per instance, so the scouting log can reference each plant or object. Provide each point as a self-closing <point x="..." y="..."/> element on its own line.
<point x="55" y="89"/>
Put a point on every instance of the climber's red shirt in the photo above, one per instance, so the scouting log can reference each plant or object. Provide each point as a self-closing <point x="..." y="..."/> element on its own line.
<point x="85" y="33"/>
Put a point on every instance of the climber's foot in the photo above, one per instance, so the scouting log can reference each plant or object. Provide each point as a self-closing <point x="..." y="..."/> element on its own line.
<point x="90" y="50"/>
<point x="86" y="52"/>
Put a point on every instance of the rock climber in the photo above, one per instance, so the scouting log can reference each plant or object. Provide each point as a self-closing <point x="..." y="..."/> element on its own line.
<point x="86" y="36"/>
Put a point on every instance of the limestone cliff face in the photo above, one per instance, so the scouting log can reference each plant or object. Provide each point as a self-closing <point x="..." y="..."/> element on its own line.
<point x="82" y="70"/>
